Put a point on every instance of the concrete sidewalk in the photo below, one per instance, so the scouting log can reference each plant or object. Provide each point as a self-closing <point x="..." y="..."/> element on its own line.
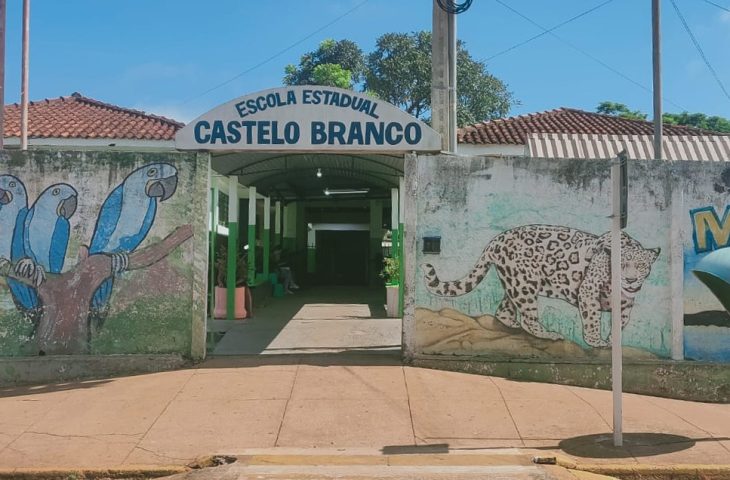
<point x="357" y="404"/>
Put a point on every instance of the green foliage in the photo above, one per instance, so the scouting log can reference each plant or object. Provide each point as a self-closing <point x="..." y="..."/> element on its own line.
<point x="391" y="270"/>
<point x="343" y="53"/>
<point x="620" y="110"/>
<point x="332" y="75"/>
<point x="399" y="71"/>
<point x="221" y="267"/>
<point x="697" y="120"/>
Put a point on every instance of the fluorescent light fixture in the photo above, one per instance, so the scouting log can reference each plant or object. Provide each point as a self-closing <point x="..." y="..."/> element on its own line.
<point x="345" y="191"/>
<point x="319" y="173"/>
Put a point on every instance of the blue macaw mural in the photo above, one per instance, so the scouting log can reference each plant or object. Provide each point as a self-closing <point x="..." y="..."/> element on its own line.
<point x="46" y="231"/>
<point x="124" y="221"/>
<point x="13" y="210"/>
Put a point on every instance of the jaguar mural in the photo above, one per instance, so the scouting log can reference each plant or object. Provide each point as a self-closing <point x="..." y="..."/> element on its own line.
<point x="555" y="262"/>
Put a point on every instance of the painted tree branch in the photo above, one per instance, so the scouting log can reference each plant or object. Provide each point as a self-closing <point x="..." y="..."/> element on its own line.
<point x="63" y="327"/>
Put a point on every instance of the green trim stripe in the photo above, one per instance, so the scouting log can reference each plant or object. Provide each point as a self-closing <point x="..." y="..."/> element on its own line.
<point x="252" y="255"/>
<point x="231" y="270"/>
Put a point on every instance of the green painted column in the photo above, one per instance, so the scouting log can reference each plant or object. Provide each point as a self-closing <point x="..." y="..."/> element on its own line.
<point x="376" y="237"/>
<point x="267" y="235"/>
<point x="290" y="227"/>
<point x="213" y="230"/>
<point x="251" y="236"/>
<point x="401" y="250"/>
<point x="394" y="225"/>
<point x="232" y="247"/>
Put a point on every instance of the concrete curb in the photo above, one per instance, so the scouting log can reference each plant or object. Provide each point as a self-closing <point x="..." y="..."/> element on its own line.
<point x="633" y="471"/>
<point x="132" y="472"/>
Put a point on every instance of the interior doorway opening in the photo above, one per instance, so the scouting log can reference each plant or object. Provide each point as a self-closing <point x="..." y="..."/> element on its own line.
<point x="306" y="236"/>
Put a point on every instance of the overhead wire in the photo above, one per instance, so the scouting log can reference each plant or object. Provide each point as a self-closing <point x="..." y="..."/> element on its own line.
<point x="277" y="54"/>
<point x="584" y="52"/>
<point x="699" y="49"/>
<point x="717" y="5"/>
<point x="555" y="27"/>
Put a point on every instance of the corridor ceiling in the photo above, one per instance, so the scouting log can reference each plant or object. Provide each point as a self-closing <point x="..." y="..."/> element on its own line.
<point x="293" y="176"/>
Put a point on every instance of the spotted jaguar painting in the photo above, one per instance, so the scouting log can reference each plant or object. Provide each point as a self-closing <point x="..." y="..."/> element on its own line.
<point x="558" y="262"/>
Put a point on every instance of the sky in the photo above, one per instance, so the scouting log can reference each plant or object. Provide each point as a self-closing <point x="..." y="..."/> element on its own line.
<point x="168" y="56"/>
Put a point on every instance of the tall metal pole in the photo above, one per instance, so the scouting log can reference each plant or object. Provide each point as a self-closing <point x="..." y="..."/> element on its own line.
<point x="2" y="74"/>
<point x="656" y="54"/>
<point x="24" y="81"/>
<point x="452" y="82"/>
<point x="440" y="75"/>
<point x="616" y="353"/>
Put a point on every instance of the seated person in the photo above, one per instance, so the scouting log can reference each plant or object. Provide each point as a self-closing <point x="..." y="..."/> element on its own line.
<point x="283" y="270"/>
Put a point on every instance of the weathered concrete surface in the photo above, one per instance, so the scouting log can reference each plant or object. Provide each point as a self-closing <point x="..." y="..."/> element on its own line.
<point x="316" y="320"/>
<point x="474" y="465"/>
<point x="272" y="404"/>
<point x="698" y="381"/>
<point x="64" y="368"/>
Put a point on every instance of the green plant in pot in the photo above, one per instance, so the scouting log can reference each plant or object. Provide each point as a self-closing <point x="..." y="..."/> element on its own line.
<point x="391" y="274"/>
<point x="390" y="271"/>
<point x="221" y="268"/>
<point x="221" y="284"/>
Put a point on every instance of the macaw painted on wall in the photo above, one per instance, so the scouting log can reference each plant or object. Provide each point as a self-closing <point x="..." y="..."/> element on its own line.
<point x="67" y="307"/>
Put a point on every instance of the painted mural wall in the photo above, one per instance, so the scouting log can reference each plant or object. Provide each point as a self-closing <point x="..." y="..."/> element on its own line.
<point x="707" y="264"/>
<point x="101" y="253"/>
<point x="524" y="264"/>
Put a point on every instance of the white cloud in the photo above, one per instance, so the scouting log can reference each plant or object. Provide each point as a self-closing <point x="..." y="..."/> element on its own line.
<point x="725" y="17"/>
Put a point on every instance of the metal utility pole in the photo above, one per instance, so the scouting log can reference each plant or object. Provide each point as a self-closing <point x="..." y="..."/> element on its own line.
<point x="452" y="82"/>
<point x="440" y="76"/>
<point x="24" y="78"/>
<point x="656" y="55"/>
<point x="619" y="180"/>
<point x="2" y="74"/>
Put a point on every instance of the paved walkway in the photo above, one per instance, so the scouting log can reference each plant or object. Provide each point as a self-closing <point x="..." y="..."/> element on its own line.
<point x="237" y="405"/>
<point x="319" y="319"/>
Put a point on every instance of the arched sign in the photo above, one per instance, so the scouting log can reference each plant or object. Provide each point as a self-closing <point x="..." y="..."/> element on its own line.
<point x="308" y="118"/>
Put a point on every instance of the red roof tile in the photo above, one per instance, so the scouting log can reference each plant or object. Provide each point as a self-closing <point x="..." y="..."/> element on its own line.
<point x="77" y="116"/>
<point x="514" y="130"/>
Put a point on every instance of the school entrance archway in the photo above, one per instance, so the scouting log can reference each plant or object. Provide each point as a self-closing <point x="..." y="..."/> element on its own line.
<point x="313" y="173"/>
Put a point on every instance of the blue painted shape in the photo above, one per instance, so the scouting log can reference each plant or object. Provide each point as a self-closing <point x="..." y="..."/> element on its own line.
<point x="107" y="220"/>
<point x="127" y="216"/>
<point x="46" y="231"/>
<point x="707" y="343"/>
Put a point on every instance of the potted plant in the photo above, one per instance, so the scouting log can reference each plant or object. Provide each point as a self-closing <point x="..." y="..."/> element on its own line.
<point x="221" y="285"/>
<point x="391" y="274"/>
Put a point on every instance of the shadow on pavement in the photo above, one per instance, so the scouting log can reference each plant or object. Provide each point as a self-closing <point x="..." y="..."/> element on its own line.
<point x="348" y="358"/>
<point x="635" y="445"/>
<point x="6" y="392"/>
<point x="431" y="449"/>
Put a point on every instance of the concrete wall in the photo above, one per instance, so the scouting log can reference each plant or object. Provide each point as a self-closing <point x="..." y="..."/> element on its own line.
<point x="522" y="272"/>
<point x="103" y="253"/>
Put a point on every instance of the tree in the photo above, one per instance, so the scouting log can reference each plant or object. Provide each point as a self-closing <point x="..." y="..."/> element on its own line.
<point x="399" y="72"/>
<point x="620" y="110"/>
<point x="697" y="120"/>
<point x="329" y="65"/>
